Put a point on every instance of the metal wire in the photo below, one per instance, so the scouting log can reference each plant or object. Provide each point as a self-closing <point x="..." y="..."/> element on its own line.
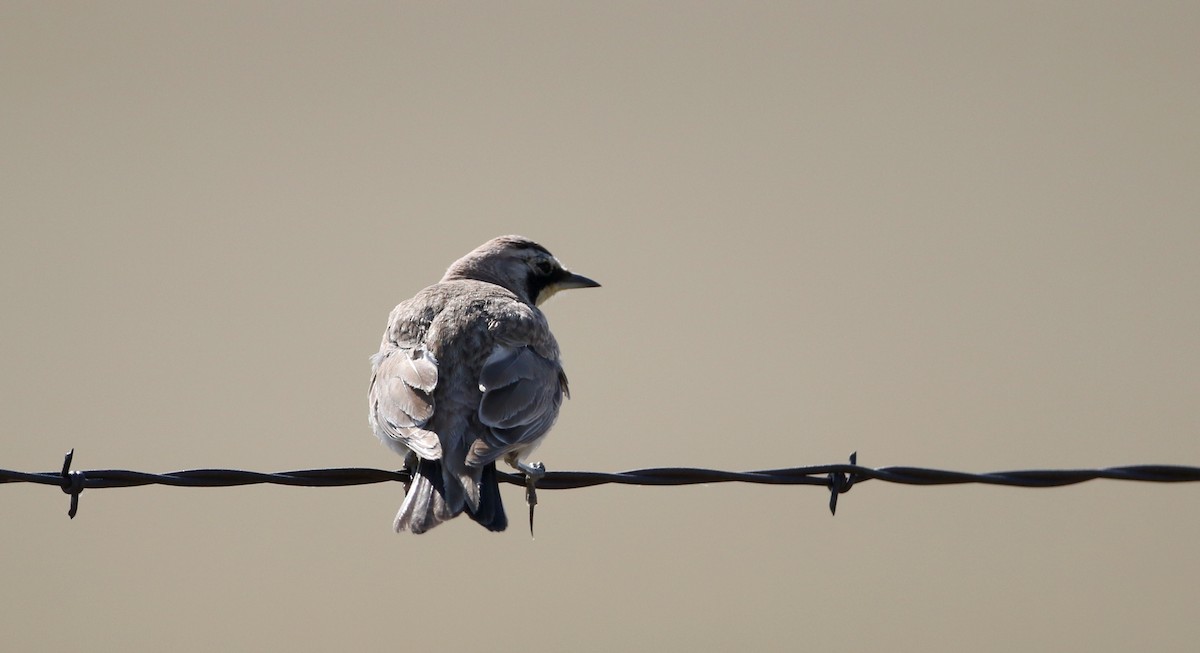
<point x="837" y="478"/>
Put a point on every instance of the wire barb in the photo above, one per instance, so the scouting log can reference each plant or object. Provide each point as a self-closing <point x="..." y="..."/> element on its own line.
<point x="72" y="483"/>
<point x="531" y="499"/>
<point x="533" y="474"/>
<point x="840" y="483"/>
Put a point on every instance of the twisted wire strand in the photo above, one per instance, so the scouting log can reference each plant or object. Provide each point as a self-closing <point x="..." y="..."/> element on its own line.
<point x="563" y="480"/>
<point x="837" y="478"/>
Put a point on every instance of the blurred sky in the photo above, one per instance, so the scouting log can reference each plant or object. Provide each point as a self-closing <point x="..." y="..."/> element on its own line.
<point x="958" y="235"/>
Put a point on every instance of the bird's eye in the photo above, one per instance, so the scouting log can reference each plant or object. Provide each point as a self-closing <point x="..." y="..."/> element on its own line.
<point x="543" y="267"/>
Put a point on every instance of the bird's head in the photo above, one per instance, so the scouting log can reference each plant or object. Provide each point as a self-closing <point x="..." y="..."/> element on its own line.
<point x="520" y="265"/>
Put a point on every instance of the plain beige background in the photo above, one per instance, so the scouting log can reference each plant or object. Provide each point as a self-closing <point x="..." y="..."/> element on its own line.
<point x="958" y="235"/>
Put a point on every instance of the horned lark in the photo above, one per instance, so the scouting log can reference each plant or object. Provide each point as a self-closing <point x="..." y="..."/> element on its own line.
<point x="469" y="373"/>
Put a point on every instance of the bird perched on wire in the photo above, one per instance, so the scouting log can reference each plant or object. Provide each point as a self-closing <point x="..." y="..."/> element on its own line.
<point x="467" y="374"/>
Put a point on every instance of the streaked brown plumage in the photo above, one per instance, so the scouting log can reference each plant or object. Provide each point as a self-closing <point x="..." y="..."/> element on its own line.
<point x="469" y="373"/>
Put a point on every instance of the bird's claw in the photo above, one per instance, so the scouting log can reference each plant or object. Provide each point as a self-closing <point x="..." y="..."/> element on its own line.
<point x="533" y="473"/>
<point x="531" y="470"/>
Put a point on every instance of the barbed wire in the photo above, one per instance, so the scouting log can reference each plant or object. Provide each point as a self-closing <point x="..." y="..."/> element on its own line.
<point x="837" y="478"/>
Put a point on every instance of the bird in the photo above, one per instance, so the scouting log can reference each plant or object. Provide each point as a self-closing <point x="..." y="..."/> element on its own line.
<point x="468" y="373"/>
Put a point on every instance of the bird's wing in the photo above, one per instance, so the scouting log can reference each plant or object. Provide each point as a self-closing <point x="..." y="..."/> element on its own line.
<point x="402" y="400"/>
<point x="522" y="391"/>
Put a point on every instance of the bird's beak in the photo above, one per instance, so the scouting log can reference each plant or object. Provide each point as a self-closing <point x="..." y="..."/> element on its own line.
<point x="576" y="281"/>
<point x="566" y="283"/>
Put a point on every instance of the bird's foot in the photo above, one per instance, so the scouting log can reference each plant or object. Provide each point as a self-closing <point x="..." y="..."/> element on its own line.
<point x="533" y="473"/>
<point x="532" y="470"/>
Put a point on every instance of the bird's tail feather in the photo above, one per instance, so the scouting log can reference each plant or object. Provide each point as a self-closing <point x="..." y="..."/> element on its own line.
<point x="490" y="513"/>
<point x="425" y="503"/>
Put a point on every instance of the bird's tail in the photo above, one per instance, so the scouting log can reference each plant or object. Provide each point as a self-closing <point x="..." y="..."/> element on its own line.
<point x="425" y="504"/>
<point x="490" y="514"/>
